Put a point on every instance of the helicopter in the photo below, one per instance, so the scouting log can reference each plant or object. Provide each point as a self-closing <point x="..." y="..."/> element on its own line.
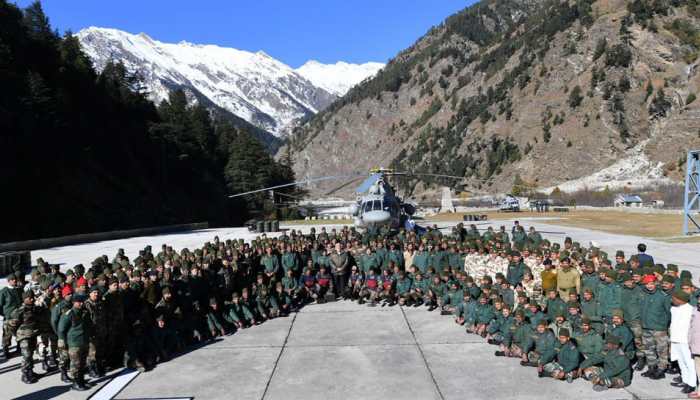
<point x="377" y="205"/>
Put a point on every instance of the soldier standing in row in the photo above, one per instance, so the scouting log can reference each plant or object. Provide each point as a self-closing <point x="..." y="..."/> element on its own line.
<point x="25" y="322"/>
<point x="10" y="300"/>
<point x="74" y="330"/>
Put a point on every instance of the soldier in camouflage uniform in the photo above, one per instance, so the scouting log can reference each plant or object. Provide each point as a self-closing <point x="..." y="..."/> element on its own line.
<point x="98" y="336"/>
<point x="74" y="329"/>
<point x="10" y="300"/>
<point x="25" y="322"/>
<point x="56" y="312"/>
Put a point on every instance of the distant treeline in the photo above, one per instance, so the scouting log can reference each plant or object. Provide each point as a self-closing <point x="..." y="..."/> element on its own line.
<point x="83" y="151"/>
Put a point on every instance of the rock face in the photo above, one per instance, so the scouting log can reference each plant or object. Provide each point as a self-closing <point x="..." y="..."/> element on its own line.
<point x="577" y="94"/>
<point x="253" y="86"/>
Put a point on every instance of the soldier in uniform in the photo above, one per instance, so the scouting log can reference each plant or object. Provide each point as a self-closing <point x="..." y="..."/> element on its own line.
<point x="25" y="321"/>
<point x="95" y="308"/>
<point x="564" y="364"/>
<point x="10" y="300"/>
<point x="74" y="330"/>
<point x="608" y="369"/>
<point x="56" y="312"/>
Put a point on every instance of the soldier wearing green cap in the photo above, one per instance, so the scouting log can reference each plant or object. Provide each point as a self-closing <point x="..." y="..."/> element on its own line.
<point x="608" y="296"/>
<point x="619" y="329"/>
<point x="631" y="302"/>
<point x="609" y="368"/>
<point x="656" y="316"/>
<point x="566" y="361"/>
<point x="10" y="300"/>
<point x="589" y="341"/>
<point x="95" y="308"/>
<point x="74" y="329"/>
<point x="25" y="321"/>
<point x="539" y="347"/>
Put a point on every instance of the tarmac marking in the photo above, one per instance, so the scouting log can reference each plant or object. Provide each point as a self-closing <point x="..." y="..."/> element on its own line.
<point x="115" y="385"/>
<point x="420" y="350"/>
<point x="279" y="356"/>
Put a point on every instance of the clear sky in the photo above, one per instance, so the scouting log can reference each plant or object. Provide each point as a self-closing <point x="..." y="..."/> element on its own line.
<point x="292" y="31"/>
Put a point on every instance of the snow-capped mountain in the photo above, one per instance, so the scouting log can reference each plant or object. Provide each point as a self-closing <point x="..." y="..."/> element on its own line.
<point x="253" y="86"/>
<point x="338" y="78"/>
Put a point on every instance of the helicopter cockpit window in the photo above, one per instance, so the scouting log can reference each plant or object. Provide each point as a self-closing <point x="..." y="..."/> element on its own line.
<point x="377" y="205"/>
<point x="368" y="206"/>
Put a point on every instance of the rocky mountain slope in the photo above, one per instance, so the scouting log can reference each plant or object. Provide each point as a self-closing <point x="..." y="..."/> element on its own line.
<point x="253" y="86"/>
<point x="545" y="93"/>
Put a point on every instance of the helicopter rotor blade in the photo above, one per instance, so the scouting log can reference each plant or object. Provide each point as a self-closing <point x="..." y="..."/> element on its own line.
<point x="310" y="180"/>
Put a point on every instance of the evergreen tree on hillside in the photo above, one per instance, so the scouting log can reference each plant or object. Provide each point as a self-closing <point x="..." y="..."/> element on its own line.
<point x="86" y="151"/>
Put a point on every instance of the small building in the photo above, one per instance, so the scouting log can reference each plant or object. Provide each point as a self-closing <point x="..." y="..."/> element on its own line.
<point x="628" y="200"/>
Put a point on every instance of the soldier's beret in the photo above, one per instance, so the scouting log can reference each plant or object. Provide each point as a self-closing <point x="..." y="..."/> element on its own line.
<point x="542" y="322"/>
<point x="619" y="253"/>
<point x="668" y="279"/>
<point x="585" y="320"/>
<point x="564" y="332"/>
<point x="28" y="295"/>
<point x="611" y="273"/>
<point x="617" y="312"/>
<point x="672" y="267"/>
<point x="681" y="295"/>
<point x="685" y="274"/>
<point x="686" y="283"/>
<point x="519" y="313"/>
<point x="573" y="304"/>
<point x="95" y="288"/>
<point x="626" y="277"/>
<point x="532" y="303"/>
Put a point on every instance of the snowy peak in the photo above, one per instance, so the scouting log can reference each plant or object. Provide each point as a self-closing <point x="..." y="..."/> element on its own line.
<point x="253" y="86"/>
<point x="338" y="78"/>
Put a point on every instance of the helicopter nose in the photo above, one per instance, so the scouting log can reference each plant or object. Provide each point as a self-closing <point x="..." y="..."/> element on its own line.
<point x="373" y="217"/>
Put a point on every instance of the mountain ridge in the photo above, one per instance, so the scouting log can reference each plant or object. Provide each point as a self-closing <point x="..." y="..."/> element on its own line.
<point x="253" y="86"/>
<point x="543" y="92"/>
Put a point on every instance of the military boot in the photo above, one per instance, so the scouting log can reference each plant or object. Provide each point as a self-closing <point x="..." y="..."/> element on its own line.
<point x="45" y="364"/>
<point x="64" y="376"/>
<point x="92" y="371"/>
<point x="29" y="377"/>
<point x="79" y="384"/>
<point x="6" y="353"/>
<point x="651" y="371"/>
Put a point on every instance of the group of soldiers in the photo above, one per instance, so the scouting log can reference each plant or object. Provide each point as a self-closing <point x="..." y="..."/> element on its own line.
<point x="566" y="309"/>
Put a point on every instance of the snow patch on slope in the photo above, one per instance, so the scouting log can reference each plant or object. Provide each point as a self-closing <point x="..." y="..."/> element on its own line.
<point x="340" y="77"/>
<point x="633" y="171"/>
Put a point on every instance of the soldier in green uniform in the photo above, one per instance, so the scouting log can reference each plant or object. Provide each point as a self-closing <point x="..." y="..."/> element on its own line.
<point x="95" y="308"/>
<point x="10" y="300"/>
<point x="271" y="264"/>
<point x="403" y="289"/>
<point x="539" y="346"/>
<point x="56" y="312"/>
<point x="74" y="329"/>
<point x="620" y="330"/>
<point x="25" y="321"/>
<point x="588" y="341"/>
<point x="566" y="360"/>
<point x="656" y="317"/>
<point x="631" y="301"/>
<point x="608" y="369"/>
<point x="554" y="304"/>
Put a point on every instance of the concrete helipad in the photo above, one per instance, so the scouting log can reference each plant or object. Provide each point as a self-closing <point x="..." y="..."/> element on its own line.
<point x="338" y="350"/>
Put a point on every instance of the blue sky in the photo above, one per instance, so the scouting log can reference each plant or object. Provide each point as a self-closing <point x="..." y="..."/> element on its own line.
<point x="290" y="30"/>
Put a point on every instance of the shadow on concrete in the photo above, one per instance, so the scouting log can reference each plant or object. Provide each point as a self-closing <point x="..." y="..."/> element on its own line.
<point x="45" y="394"/>
<point x="10" y="368"/>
